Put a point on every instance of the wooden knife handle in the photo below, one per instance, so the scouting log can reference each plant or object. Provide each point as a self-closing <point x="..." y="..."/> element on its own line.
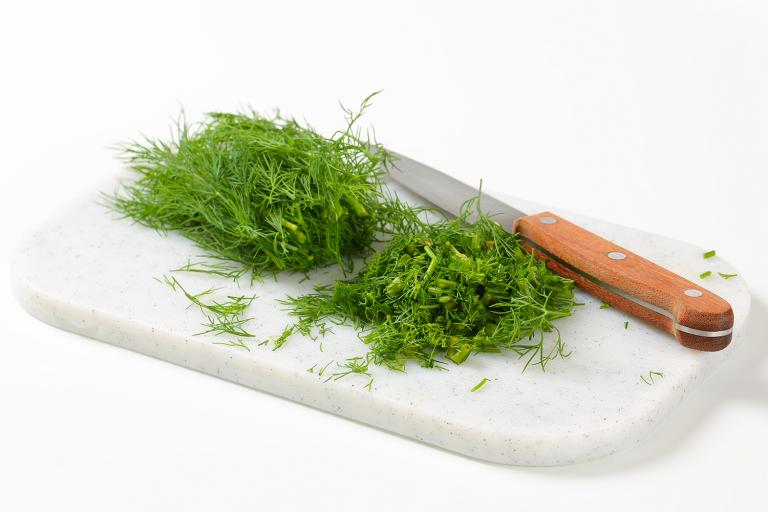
<point x="698" y="318"/>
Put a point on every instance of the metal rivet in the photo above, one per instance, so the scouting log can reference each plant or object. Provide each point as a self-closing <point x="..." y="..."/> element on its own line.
<point x="693" y="293"/>
<point x="547" y="220"/>
<point x="615" y="255"/>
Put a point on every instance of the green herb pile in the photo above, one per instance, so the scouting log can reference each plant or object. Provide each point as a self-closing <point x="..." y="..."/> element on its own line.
<point x="266" y="192"/>
<point x="274" y="195"/>
<point x="446" y="290"/>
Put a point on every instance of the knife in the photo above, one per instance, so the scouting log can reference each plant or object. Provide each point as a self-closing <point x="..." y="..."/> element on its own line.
<point x="697" y="318"/>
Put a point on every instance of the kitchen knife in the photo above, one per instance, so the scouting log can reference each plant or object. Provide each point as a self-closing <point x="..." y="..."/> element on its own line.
<point x="698" y="318"/>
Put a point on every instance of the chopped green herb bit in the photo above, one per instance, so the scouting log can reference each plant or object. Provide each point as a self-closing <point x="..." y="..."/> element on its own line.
<point x="441" y="290"/>
<point x="354" y="366"/>
<point x="224" y="316"/>
<point x="626" y="325"/>
<point x="266" y="192"/>
<point x="237" y="343"/>
<point x="710" y="254"/>
<point x="727" y="276"/>
<point x="705" y="275"/>
<point x="221" y="269"/>
<point x="605" y="305"/>
<point x="651" y="374"/>
<point x="322" y="370"/>
<point x="479" y="385"/>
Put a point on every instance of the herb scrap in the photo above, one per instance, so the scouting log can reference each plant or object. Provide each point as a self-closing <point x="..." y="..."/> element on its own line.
<point x="705" y="275"/>
<point x="221" y="269"/>
<point x="234" y="343"/>
<point x="651" y="374"/>
<point x="354" y="366"/>
<point x="447" y="290"/>
<point x="605" y="305"/>
<point x="626" y="325"/>
<point x="709" y="254"/>
<point x="479" y="385"/>
<point x="322" y="370"/>
<point x="224" y="316"/>
<point x="727" y="276"/>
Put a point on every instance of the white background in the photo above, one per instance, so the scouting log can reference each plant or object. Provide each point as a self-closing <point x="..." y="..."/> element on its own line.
<point x="650" y="114"/>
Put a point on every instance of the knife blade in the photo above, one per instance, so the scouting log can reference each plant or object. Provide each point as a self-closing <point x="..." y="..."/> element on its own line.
<point x="696" y="317"/>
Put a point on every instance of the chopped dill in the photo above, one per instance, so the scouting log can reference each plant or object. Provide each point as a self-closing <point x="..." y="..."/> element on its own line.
<point x="224" y="316"/>
<point x="265" y="192"/>
<point x="709" y="254"/>
<point x="651" y="374"/>
<point x="221" y="269"/>
<point x="322" y="370"/>
<point x="705" y="275"/>
<point x="626" y="325"/>
<point x="605" y="305"/>
<point x="268" y="194"/>
<point x="727" y="276"/>
<point x="237" y="343"/>
<point x="226" y="325"/>
<point x="479" y="385"/>
<point x="445" y="291"/>
<point x="354" y="366"/>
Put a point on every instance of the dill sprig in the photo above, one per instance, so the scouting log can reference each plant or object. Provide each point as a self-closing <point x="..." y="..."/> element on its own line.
<point x="224" y="316"/>
<point x="214" y="268"/>
<point x="651" y="374"/>
<point x="233" y="343"/>
<point x="267" y="192"/>
<point x="479" y="385"/>
<point x="358" y="365"/>
<point x="447" y="290"/>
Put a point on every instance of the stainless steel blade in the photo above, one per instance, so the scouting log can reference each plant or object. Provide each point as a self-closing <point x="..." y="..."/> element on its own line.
<point x="446" y="192"/>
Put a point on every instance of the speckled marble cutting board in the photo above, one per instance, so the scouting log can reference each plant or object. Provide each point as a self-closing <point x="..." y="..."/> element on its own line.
<point x="91" y="274"/>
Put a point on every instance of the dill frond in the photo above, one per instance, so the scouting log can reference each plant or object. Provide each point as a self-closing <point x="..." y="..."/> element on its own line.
<point x="266" y="192"/>
<point x="444" y="292"/>
<point x="479" y="385"/>
<point x="651" y="374"/>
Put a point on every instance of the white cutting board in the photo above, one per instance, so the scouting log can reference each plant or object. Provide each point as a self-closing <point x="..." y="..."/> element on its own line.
<point x="91" y="274"/>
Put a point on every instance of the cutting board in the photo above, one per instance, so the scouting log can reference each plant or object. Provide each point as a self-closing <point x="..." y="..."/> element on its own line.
<point x="95" y="275"/>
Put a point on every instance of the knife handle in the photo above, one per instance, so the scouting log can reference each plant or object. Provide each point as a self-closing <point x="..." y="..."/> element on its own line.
<point x="698" y="318"/>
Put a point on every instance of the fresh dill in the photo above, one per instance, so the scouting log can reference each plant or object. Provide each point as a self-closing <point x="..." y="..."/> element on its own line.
<point x="626" y="325"/>
<point x="709" y="254"/>
<point x="479" y="385"/>
<point x="324" y="368"/>
<point x="226" y="325"/>
<point x="651" y="374"/>
<point x="224" y="316"/>
<point x="221" y="269"/>
<point x="266" y="192"/>
<point x="234" y="343"/>
<point x="705" y="275"/>
<point x="447" y="290"/>
<point x="166" y="280"/>
<point x="354" y="366"/>
<point x="727" y="276"/>
<point x="605" y="305"/>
